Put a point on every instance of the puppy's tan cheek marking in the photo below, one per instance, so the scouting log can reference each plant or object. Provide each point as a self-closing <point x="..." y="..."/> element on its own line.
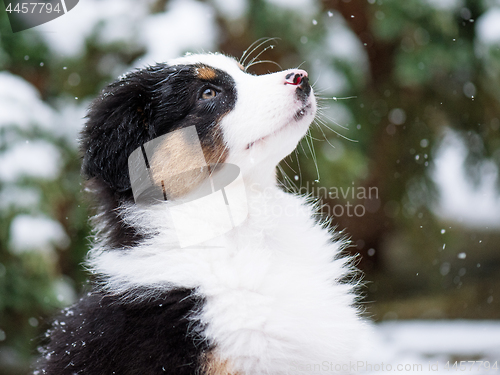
<point x="241" y="67"/>
<point x="178" y="165"/>
<point x="206" y="73"/>
<point x="214" y="148"/>
<point x="213" y="365"/>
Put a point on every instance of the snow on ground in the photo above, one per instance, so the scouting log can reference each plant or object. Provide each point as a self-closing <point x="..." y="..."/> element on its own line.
<point x="426" y="347"/>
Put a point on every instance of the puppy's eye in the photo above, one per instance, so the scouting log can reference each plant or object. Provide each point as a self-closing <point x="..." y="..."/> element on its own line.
<point x="208" y="94"/>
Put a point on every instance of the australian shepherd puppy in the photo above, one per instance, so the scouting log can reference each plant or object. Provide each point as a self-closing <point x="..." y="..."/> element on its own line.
<point x="201" y="264"/>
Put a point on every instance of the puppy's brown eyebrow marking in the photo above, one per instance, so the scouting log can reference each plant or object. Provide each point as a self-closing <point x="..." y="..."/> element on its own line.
<point x="206" y="73"/>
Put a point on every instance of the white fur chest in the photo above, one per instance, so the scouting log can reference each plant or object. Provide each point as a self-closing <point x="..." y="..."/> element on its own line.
<point x="273" y="301"/>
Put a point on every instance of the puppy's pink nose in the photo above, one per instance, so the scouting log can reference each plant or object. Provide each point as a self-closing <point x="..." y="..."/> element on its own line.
<point x="295" y="76"/>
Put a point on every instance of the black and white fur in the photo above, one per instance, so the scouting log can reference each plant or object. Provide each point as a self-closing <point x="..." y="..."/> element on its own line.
<point x="268" y="297"/>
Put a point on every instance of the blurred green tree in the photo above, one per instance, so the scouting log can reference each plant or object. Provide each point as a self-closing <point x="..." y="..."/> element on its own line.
<point x="393" y="78"/>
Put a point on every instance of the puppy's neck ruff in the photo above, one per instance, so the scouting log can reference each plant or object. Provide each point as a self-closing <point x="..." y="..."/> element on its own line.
<point x="274" y="300"/>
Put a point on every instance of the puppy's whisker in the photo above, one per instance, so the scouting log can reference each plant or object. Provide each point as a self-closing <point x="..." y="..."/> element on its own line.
<point x="314" y="84"/>
<point x="298" y="174"/>
<point x="322" y="132"/>
<point x="303" y="149"/>
<point x="313" y="154"/>
<point x="244" y="55"/>
<point x="302" y="63"/>
<point x="317" y="92"/>
<point x="258" y="55"/>
<point x="226" y="147"/>
<point x="321" y="108"/>
<point x="298" y="164"/>
<point x="322" y="114"/>
<point x="339" y="134"/>
<point x="289" y="166"/>
<point x="329" y="88"/>
<point x="314" y="138"/>
<point x="264" y="61"/>
<point x="335" y="98"/>
<point x="287" y="180"/>
<point x="267" y="40"/>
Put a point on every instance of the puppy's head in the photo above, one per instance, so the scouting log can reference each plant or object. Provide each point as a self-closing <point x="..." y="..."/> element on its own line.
<point x="243" y="119"/>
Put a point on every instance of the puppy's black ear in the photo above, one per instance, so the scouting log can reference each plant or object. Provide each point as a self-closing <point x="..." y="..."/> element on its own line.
<point x="119" y="121"/>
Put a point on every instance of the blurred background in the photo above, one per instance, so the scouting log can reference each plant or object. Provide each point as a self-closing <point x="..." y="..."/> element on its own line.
<point x="404" y="154"/>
